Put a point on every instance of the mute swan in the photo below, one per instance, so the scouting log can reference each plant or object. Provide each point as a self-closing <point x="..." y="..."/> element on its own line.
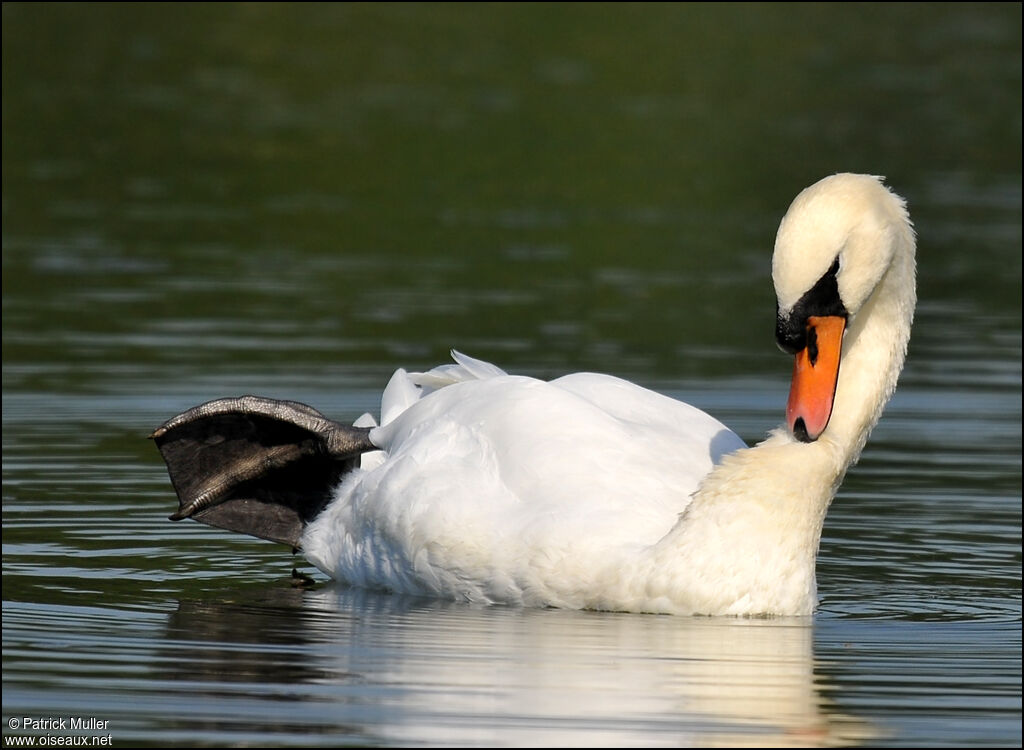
<point x="586" y="491"/>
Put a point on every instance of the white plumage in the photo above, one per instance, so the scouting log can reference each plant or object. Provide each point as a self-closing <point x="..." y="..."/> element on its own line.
<point x="592" y="492"/>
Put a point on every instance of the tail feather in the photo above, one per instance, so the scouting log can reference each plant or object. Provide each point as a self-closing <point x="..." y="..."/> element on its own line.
<point x="465" y="368"/>
<point x="406" y="388"/>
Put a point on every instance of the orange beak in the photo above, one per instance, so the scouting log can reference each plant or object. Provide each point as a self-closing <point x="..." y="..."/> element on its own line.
<point x="815" y="373"/>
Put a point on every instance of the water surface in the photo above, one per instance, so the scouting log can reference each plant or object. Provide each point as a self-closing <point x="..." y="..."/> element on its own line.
<point x="204" y="201"/>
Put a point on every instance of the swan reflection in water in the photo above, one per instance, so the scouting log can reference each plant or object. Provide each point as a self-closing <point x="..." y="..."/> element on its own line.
<point x="351" y="665"/>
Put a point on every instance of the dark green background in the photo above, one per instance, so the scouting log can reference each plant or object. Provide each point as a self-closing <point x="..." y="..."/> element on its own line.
<point x="294" y="200"/>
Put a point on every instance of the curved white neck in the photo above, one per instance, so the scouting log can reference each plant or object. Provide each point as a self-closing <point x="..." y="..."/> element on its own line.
<point x="749" y="538"/>
<point x="874" y="348"/>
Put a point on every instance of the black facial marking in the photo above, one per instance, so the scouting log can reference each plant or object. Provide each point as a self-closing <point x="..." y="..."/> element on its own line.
<point x="800" y="431"/>
<point x="821" y="300"/>
<point x="812" y="345"/>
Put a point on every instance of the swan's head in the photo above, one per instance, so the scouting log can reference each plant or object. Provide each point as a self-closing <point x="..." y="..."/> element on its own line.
<point x="834" y="247"/>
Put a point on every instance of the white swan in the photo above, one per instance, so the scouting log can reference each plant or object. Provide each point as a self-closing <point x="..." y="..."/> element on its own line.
<point x="591" y="492"/>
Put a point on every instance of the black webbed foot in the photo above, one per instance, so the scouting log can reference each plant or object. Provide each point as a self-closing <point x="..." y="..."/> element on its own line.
<point x="256" y="465"/>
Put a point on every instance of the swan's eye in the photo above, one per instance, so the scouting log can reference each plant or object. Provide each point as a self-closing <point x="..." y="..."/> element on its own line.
<point x="823" y="298"/>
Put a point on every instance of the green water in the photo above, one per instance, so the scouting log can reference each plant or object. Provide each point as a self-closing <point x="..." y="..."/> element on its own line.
<point x="201" y="201"/>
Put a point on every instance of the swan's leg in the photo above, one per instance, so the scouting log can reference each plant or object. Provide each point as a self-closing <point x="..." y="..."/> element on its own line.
<point x="255" y="465"/>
